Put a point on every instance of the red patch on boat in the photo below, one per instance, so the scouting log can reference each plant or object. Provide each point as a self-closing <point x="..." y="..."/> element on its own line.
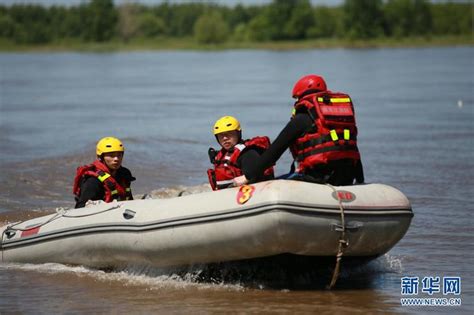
<point x="30" y="232"/>
<point x="244" y="194"/>
<point x="343" y="195"/>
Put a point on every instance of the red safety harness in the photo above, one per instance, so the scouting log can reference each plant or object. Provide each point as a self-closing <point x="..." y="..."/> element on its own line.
<point x="119" y="190"/>
<point x="225" y="163"/>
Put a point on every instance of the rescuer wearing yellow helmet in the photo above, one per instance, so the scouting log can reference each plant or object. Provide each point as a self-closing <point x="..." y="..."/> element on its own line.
<point x="105" y="179"/>
<point x="235" y="154"/>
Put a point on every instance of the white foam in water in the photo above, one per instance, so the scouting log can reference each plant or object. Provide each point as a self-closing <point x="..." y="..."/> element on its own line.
<point x="384" y="264"/>
<point x="176" y="191"/>
<point x="387" y="263"/>
<point x="153" y="278"/>
<point x="394" y="263"/>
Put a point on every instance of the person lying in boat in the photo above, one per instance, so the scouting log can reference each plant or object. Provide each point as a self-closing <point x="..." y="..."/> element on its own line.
<point x="236" y="155"/>
<point x="105" y="179"/>
<point x="321" y="135"/>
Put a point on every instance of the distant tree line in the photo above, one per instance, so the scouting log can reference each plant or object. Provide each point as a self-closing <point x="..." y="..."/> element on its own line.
<point x="101" y="20"/>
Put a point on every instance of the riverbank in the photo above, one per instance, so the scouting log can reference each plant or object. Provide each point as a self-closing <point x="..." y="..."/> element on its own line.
<point x="192" y="44"/>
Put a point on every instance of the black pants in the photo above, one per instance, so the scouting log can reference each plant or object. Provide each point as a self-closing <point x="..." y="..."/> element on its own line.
<point x="337" y="173"/>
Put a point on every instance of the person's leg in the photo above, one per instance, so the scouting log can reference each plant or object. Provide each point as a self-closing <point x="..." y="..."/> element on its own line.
<point x="343" y="173"/>
<point x="289" y="176"/>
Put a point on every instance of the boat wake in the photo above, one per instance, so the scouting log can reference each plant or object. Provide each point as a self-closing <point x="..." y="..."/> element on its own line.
<point x="178" y="191"/>
<point x="280" y="273"/>
<point x="151" y="278"/>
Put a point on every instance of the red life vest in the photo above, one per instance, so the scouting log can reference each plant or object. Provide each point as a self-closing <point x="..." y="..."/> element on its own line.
<point x="334" y="134"/>
<point x="225" y="163"/>
<point x="114" y="189"/>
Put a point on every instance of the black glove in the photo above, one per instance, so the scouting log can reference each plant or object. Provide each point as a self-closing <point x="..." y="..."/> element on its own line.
<point x="212" y="155"/>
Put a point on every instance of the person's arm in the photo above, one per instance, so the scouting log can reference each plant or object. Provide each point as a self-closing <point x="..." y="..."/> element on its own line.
<point x="247" y="159"/>
<point x="127" y="174"/>
<point x="91" y="189"/>
<point x="294" y="129"/>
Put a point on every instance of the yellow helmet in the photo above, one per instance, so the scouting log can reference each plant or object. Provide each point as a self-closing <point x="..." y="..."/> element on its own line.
<point x="109" y="144"/>
<point x="226" y="123"/>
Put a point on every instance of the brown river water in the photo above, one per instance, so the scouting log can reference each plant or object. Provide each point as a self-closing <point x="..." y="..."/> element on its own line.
<point x="415" y="111"/>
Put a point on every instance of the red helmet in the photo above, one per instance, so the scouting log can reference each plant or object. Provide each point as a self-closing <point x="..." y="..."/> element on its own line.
<point x="308" y="83"/>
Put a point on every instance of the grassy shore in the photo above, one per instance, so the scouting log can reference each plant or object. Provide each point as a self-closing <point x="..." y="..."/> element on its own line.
<point x="191" y="44"/>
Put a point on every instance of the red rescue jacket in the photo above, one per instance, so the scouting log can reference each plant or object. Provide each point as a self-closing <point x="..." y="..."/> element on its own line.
<point x="334" y="133"/>
<point x="225" y="163"/>
<point x="114" y="189"/>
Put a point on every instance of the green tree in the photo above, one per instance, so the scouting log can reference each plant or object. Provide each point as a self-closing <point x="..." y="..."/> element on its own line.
<point x="328" y="22"/>
<point x="239" y="15"/>
<point x="151" y="25"/>
<point x="101" y="20"/>
<point x="7" y="26"/>
<point x="211" y="28"/>
<point x="363" y="18"/>
<point x="181" y="18"/>
<point x="127" y="21"/>
<point x="282" y="19"/>
<point x="241" y="33"/>
<point x="423" y="21"/>
<point x="260" y="28"/>
<point x="300" y="21"/>
<point x="32" y="24"/>
<point x="277" y="15"/>
<point x="239" y="21"/>
<point x="72" y="22"/>
<point x="407" y="17"/>
<point x="452" y="18"/>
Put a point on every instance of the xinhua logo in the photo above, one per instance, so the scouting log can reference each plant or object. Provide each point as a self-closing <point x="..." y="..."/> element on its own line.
<point x="422" y="291"/>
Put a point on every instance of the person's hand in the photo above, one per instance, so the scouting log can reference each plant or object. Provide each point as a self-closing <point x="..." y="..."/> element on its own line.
<point x="239" y="181"/>
<point x="90" y="203"/>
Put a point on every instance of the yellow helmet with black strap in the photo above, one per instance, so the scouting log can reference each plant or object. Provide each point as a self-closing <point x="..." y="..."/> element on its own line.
<point x="226" y="123"/>
<point x="109" y="144"/>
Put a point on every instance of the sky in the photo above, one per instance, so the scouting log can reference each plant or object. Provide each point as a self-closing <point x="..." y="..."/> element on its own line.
<point x="151" y="2"/>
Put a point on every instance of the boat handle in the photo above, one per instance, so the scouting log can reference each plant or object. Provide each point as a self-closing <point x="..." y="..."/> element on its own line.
<point x="128" y="214"/>
<point x="10" y="232"/>
<point x="351" y="226"/>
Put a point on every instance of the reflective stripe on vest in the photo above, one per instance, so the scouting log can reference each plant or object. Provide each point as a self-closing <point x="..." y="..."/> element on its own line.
<point x="103" y="176"/>
<point x="347" y="134"/>
<point x="335" y="99"/>
<point x="333" y="136"/>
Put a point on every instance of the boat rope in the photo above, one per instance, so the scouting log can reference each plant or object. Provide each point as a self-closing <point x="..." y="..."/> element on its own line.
<point x="342" y="244"/>
<point x="13" y="228"/>
<point x="91" y="214"/>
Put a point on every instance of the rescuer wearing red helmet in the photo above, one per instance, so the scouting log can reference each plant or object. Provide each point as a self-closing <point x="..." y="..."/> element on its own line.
<point x="235" y="154"/>
<point x="105" y="179"/>
<point x="321" y="135"/>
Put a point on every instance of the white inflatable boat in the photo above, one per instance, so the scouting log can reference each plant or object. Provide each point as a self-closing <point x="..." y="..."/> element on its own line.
<point x="260" y="220"/>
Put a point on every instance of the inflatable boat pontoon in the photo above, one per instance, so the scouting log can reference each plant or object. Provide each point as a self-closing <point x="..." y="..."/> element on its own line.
<point x="259" y="220"/>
